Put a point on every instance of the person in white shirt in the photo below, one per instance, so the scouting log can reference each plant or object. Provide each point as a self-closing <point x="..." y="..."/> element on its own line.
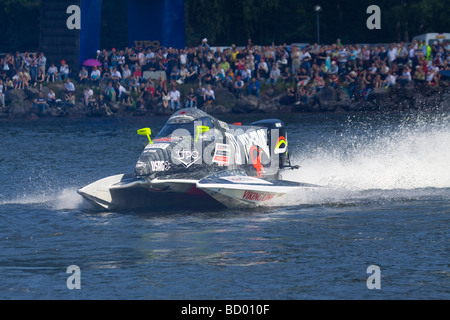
<point x="96" y="76"/>
<point x="63" y="71"/>
<point x="174" y="98"/>
<point x="52" y="72"/>
<point x="88" y="93"/>
<point x="209" y="96"/>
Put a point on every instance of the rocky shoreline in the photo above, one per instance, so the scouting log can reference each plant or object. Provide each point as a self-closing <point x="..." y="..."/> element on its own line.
<point x="19" y="103"/>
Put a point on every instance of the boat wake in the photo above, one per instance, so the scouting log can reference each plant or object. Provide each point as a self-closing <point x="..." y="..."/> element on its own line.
<point x="61" y="199"/>
<point x="407" y="161"/>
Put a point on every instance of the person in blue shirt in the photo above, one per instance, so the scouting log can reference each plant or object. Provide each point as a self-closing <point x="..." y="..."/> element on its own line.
<point x="253" y="87"/>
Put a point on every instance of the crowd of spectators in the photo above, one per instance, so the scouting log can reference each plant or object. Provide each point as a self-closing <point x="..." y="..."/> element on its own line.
<point x="304" y="71"/>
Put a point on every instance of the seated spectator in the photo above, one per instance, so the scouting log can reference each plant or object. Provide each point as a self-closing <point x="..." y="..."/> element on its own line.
<point x="286" y="75"/>
<point x="432" y="77"/>
<point x="263" y="69"/>
<point x="165" y="94"/>
<point x="88" y="93"/>
<point x="40" y="102"/>
<point x="115" y="75"/>
<point x="40" y="79"/>
<point x="209" y="96"/>
<point x="191" y="76"/>
<point x="334" y="69"/>
<point x="253" y="88"/>
<point x="405" y="78"/>
<point x="121" y="92"/>
<point x="63" y="71"/>
<point x="174" y="74"/>
<point x="175" y="98"/>
<point x="137" y="73"/>
<point x="310" y="93"/>
<point x="274" y="75"/>
<point x="238" y="87"/>
<point x="390" y="80"/>
<point x="419" y="74"/>
<point x="93" y="104"/>
<point x="134" y="84"/>
<point x="69" y="100"/>
<point x="183" y="74"/>
<point x="95" y="76"/>
<point x="290" y="97"/>
<point x="51" y="98"/>
<point x="52" y="73"/>
<point x="69" y="86"/>
<point x="191" y="99"/>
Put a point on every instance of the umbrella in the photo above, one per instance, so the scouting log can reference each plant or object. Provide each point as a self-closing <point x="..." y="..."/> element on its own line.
<point x="92" y="63"/>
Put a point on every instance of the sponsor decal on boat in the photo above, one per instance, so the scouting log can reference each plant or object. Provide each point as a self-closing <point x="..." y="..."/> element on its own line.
<point x="187" y="157"/>
<point x="245" y="180"/>
<point x="258" y="196"/>
<point x="222" y="154"/>
<point x="158" y="166"/>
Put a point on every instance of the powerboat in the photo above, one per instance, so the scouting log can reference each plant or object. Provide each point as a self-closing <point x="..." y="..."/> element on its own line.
<point x="197" y="161"/>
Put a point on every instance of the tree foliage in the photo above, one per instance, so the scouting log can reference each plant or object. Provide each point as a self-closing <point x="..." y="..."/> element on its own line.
<point x="279" y="21"/>
<point x="225" y="22"/>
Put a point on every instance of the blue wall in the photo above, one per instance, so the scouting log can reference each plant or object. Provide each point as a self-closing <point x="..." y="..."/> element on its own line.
<point x="90" y="29"/>
<point x="156" y="21"/>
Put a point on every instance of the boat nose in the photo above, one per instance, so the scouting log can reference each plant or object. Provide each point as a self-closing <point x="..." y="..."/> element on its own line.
<point x="154" y="159"/>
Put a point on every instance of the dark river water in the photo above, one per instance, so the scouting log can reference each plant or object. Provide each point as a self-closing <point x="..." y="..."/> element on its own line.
<point x="387" y="205"/>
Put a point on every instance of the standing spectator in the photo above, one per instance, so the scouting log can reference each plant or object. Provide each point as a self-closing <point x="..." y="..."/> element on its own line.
<point x="126" y="75"/>
<point x="34" y="67"/>
<point x="18" y="61"/>
<point x="2" y="93"/>
<point x="392" y="55"/>
<point x="200" y="95"/>
<point x="42" y="63"/>
<point x="40" y="79"/>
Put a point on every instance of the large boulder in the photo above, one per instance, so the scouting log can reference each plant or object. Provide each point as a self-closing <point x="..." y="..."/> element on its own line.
<point x="246" y="104"/>
<point x="19" y="109"/>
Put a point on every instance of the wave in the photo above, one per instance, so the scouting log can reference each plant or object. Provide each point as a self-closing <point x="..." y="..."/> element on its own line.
<point x="64" y="199"/>
<point x="409" y="159"/>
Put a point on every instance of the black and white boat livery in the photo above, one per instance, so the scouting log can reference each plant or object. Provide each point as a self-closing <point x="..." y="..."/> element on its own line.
<point x="197" y="161"/>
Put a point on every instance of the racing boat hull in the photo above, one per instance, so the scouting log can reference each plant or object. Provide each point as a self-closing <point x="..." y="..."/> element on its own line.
<point x="197" y="161"/>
